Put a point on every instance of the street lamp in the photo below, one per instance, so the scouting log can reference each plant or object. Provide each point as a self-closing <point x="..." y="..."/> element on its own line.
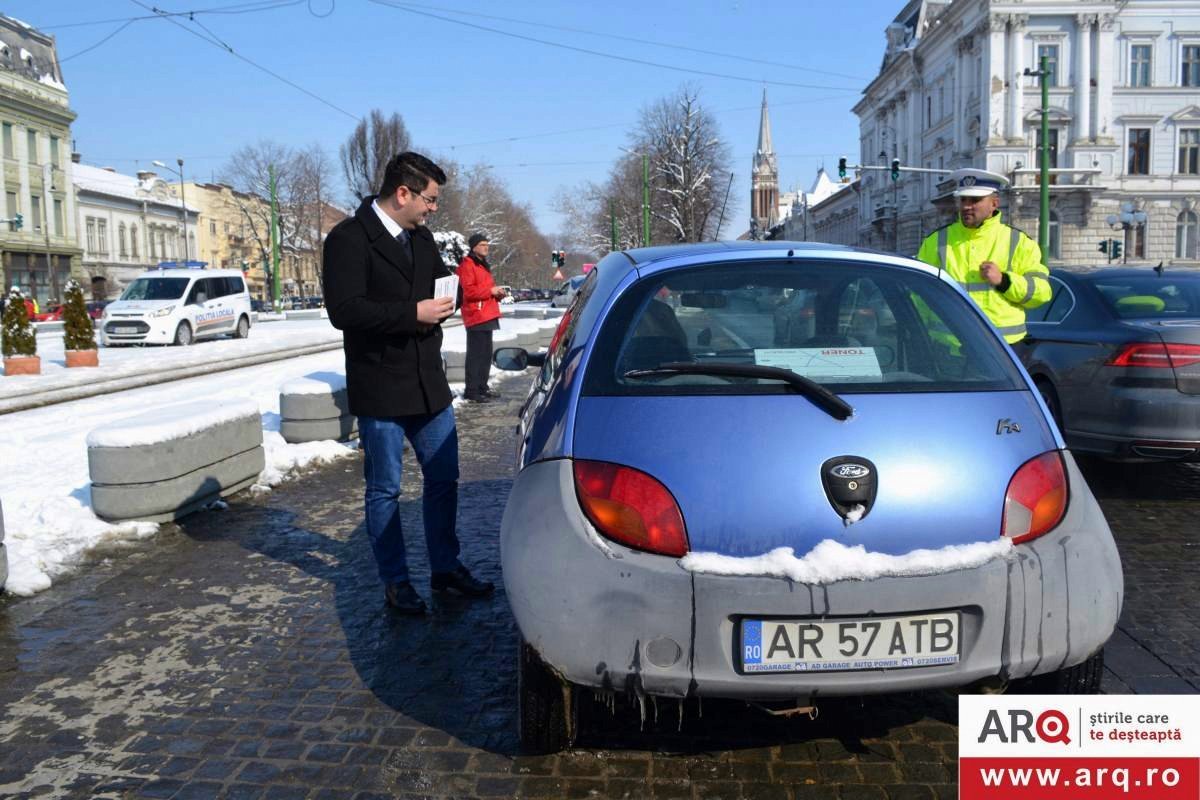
<point x="1128" y="218"/>
<point x="182" y="204"/>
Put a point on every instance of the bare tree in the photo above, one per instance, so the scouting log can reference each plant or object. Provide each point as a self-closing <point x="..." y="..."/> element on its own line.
<point x="366" y="152"/>
<point x="686" y="154"/>
<point x="314" y="177"/>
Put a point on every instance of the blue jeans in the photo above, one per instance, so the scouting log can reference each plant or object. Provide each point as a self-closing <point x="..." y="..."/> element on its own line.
<point x="435" y="440"/>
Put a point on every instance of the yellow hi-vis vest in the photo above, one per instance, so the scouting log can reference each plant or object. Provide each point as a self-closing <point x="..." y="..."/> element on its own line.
<point x="961" y="250"/>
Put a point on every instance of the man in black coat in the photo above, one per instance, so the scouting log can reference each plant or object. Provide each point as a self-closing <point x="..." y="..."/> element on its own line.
<point x="379" y="273"/>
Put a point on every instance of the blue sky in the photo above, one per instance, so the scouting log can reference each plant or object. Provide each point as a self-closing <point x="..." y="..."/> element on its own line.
<point x="157" y="91"/>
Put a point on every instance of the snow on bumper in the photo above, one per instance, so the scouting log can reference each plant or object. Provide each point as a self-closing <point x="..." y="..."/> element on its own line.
<point x="608" y="617"/>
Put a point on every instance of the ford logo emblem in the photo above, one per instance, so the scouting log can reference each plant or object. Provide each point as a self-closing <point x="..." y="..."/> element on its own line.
<point x="850" y="471"/>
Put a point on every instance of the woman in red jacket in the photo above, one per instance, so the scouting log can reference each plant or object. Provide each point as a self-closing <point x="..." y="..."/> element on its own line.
<point x="481" y="316"/>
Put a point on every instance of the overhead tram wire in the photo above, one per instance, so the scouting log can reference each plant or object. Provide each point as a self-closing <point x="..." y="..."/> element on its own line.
<point x="651" y="42"/>
<point x="240" y="8"/>
<point x="215" y="41"/>
<point x="626" y="59"/>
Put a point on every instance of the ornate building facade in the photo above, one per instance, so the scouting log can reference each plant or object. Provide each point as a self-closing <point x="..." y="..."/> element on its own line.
<point x="35" y="137"/>
<point x="1124" y="87"/>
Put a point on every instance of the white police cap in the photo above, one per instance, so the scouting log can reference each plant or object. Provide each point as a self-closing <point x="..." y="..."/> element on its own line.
<point x="977" y="182"/>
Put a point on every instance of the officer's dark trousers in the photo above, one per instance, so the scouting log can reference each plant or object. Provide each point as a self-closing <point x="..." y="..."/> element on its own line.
<point x="479" y="359"/>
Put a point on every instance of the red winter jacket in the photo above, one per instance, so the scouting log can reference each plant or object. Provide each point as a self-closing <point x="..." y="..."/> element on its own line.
<point x="478" y="304"/>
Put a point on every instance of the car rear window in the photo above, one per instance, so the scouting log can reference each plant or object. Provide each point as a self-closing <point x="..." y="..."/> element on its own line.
<point x="852" y="328"/>
<point x="1148" y="297"/>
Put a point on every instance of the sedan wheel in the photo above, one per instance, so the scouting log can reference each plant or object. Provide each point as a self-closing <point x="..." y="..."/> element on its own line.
<point x="183" y="334"/>
<point x="243" y="329"/>
<point x="545" y="705"/>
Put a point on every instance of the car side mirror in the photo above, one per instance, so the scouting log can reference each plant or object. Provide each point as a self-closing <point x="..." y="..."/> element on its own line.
<point x="513" y="359"/>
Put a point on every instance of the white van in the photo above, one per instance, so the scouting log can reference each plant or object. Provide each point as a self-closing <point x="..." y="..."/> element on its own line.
<point x="178" y="306"/>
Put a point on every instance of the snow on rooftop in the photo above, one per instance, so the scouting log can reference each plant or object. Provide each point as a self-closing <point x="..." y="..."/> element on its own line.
<point x="24" y="25"/>
<point x="50" y="80"/>
<point x="115" y="184"/>
<point x="831" y="561"/>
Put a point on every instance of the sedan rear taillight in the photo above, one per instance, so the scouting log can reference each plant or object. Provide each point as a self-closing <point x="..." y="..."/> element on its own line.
<point x="630" y="507"/>
<point x="1156" y="354"/>
<point x="1036" y="499"/>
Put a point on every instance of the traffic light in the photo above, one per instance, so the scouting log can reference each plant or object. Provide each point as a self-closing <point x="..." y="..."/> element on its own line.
<point x="842" y="168"/>
<point x="1116" y="249"/>
<point x="558" y="258"/>
<point x="1104" y="246"/>
<point x="895" y="169"/>
<point x="18" y="221"/>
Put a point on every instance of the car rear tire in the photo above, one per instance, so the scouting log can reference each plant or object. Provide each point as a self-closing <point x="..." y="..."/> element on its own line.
<point x="1050" y="397"/>
<point x="183" y="334"/>
<point x="1083" y="678"/>
<point x="546" y="721"/>
<point x="243" y="328"/>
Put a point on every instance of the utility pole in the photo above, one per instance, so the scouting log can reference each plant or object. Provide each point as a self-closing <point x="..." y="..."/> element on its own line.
<point x="724" y="203"/>
<point x="612" y="218"/>
<point x="645" y="200"/>
<point x="274" y="240"/>
<point x="183" y="210"/>
<point x="1042" y="73"/>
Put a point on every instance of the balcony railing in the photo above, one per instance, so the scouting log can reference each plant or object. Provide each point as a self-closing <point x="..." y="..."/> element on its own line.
<point x="1029" y="177"/>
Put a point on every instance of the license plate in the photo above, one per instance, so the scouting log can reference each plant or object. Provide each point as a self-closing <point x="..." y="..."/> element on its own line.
<point x="803" y="645"/>
<point x="124" y="329"/>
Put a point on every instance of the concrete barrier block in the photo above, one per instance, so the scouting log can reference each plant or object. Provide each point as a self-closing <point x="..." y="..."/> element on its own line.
<point x="304" y="313"/>
<point x="315" y="408"/>
<point x="340" y="429"/>
<point x="164" y="464"/>
<point x="456" y="365"/>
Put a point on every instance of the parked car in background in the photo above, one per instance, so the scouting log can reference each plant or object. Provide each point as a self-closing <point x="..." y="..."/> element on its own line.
<point x="178" y="306"/>
<point x="51" y="313"/>
<point x="1116" y="355"/>
<point x="95" y="308"/>
<point x="566" y="293"/>
<point x="699" y="478"/>
<point x="260" y="306"/>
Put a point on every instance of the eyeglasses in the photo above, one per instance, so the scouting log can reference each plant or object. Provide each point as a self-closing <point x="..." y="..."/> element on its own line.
<point x="429" y="201"/>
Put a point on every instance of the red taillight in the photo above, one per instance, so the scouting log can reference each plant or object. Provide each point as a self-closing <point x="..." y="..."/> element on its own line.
<point x="558" y="332"/>
<point x="630" y="507"/>
<point x="1156" y="354"/>
<point x="1036" y="498"/>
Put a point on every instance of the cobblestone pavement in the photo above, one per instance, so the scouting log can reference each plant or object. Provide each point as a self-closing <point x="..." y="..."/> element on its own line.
<point x="247" y="653"/>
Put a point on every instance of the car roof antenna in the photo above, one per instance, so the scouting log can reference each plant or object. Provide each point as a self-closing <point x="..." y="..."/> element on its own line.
<point x="1159" y="269"/>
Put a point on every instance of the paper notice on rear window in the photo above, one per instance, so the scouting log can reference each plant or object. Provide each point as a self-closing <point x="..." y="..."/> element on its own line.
<point x="446" y="287"/>
<point x="823" y="363"/>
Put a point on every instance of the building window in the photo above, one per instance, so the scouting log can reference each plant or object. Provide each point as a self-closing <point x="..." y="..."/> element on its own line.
<point x="91" y="235"/>
<point x="60" y="221"/>
<point x="1187" y="231"/>
<point x="35" y="211"/>
<point x="1054" y="243"/>
<point x="31" y="145"/>
<point x="1189" y="151"/>
<point x="13" y="206"/>
<point x="153" y="252"/>
<point x="212" y="227"/>
<point x="133" y="241"/>
<point x="102" y="236"/>
<point x="1050" y="51"/>
<point x="1135" y="241"/>
<point x="1139" y="151"/>
<point x="941" y="102"/>
<point x="1139" y="65"/>
<point x="122" y="251"/>
<point x="54" y="150"/>
<point x="227" y="227"/>
<point x="1191" y="66"/>
<point x="8" y="141"/>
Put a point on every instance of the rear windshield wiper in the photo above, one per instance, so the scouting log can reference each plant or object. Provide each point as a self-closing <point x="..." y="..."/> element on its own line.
<point x="821" y="397"/>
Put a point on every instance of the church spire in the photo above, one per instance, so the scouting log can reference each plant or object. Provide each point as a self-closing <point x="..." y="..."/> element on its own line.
<point x="764" y="130"/>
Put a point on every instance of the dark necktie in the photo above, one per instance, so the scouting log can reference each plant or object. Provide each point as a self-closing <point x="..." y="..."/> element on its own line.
<point x="405" y="241"/>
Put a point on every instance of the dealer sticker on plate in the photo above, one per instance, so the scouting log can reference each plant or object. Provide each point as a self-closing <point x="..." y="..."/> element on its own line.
<point x="798" y="645"/>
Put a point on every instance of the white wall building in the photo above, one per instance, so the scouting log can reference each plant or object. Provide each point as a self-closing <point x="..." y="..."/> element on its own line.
<point x="128" y="224"/>
<point x="799" y="222"/>
<point x="1124" y="120"/>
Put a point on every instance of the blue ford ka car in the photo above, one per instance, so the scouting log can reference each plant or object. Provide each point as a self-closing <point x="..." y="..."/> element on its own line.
<point x="780" y="471"/>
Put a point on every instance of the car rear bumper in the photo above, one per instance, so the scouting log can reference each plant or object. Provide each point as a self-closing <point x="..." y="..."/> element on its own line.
<point x="610" y="618"/>
<point x="1138" y="424"/>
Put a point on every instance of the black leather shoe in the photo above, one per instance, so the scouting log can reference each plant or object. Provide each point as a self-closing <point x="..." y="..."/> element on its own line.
<point x="461" y="581"/>
<point x="477" y="398"/>
<point x="404" y="598"/>
<point x="492" y="393"/>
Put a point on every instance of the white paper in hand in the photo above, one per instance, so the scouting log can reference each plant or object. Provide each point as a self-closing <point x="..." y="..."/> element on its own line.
<point x="446" y="287"/>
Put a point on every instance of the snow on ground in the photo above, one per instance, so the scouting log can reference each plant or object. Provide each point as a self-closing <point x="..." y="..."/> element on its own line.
<point x="832" y="561"/>
<point x="120" y="362"/>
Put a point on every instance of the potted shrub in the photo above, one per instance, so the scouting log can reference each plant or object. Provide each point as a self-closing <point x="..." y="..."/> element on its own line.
<point x="19" y="343"/>
<point x="79" y="337"/>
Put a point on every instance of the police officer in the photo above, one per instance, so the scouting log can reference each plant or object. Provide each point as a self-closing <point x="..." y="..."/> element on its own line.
<point x="999" y="267"/>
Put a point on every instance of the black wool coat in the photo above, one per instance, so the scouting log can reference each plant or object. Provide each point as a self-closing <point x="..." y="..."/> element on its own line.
<point x="372" y="287"/>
